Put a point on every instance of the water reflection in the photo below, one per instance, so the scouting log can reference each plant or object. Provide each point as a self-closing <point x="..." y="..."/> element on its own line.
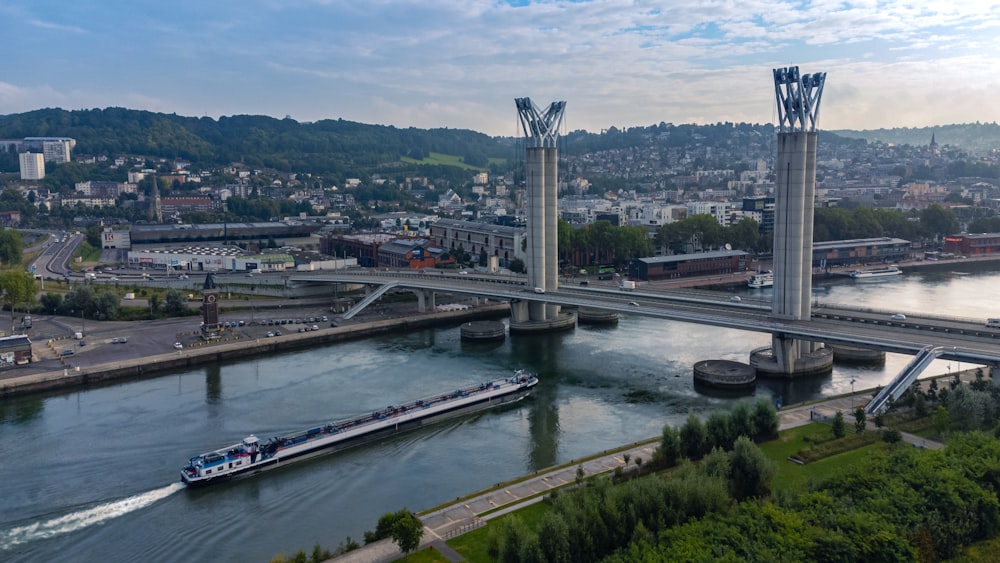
<point x="213" y="384"/>
<point x="21" y="411"/>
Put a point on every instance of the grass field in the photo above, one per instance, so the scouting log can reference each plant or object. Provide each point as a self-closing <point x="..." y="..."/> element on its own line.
<point x="792" y="476"/>
<point x="473" y="545"/>
<point x="442" y="159"/>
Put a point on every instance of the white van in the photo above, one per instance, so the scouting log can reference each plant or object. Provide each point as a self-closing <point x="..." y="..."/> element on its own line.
<point x="539" y="290"/>
<point x="993" y="323"/>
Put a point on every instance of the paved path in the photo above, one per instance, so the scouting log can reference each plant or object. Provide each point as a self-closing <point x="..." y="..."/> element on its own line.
<point x="471" y="513"/>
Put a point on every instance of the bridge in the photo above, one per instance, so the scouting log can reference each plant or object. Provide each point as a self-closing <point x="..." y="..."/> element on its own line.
<point x="957" y="339"/>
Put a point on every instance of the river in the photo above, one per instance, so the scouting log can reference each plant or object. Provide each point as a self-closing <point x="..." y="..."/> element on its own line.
<point x="93" y="474"/>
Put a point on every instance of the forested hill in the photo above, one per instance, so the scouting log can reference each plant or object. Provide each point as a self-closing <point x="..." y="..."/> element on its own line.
<point x="323" y="147"/>
<point x="976" y="137"/>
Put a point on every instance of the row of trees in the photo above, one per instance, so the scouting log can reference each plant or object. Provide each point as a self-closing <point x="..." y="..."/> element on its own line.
<point x="897" y="504"/>
<point x="602" y="243"/>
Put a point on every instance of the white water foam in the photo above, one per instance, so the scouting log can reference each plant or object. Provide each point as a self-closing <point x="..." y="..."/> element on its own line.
<point x="83" y="518"/>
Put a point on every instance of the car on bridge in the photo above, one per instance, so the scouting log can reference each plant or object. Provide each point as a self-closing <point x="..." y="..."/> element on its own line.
<point x="898" y="317"/>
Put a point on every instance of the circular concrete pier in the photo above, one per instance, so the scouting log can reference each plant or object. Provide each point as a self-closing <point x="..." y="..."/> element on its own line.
<point x="854" y="355"/>
<point x="724" y="374"/>
<point x="813" y="363"/>
<point x="587" y="316"/>
<point x="483" y="331"/>
<point x="565" y="321"/>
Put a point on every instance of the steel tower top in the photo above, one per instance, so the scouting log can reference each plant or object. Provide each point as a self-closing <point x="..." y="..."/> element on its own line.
<point x="798" y="99"/>
<point x="541" y="128"/>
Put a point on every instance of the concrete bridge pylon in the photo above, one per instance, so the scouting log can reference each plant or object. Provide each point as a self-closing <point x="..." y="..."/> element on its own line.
<point x="798" y="98"/>
<point x="541" y="130"/>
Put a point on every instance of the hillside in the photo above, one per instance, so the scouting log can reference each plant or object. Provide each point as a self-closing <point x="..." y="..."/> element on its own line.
<point x="334" y="147"/>
<point x="975" y="137"/>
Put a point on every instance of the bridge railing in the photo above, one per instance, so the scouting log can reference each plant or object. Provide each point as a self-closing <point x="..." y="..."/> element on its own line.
<point x="887" y="313"/>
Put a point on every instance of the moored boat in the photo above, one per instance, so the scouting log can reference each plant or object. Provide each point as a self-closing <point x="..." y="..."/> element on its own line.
<point x="251" y="455"/>
<point x="876" y="273"/>
<point x="761" y="279"/>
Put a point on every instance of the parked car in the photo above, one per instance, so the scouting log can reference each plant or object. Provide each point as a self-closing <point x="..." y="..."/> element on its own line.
<point x="178" y="346"/>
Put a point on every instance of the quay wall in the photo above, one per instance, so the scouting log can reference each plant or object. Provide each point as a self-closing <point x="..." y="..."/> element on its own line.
<point x="234" y="351"/>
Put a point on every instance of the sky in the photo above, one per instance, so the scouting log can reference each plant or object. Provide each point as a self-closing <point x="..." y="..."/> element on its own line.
<point x="461" y="63"/>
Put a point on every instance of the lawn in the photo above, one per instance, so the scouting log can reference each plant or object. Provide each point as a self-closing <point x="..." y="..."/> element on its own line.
<point x="442" y="159"/>
<point x="792" y="476"/>
<point x="473" y="545"/>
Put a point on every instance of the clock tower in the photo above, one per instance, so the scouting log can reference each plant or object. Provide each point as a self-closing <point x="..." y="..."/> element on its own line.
<point x="210" y="309"/>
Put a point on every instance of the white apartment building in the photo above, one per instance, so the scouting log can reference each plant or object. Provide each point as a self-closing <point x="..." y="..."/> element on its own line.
<point x="32" y="165"/>
<point x="55" y="149"/>
<point x="718" y="210"/>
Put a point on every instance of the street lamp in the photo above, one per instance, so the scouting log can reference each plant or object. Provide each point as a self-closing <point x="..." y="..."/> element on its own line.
<point x="852" y="393"/>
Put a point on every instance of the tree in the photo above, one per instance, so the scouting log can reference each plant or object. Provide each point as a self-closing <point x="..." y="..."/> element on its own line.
<point x="693" y="437"/>
<point x="11" y="247"/>
<point x="838" y="426"/>
<point x="18" y="287"/>
<point x="402" y="526"/>
<point x="51" y="302"/>
<point x="765" y="421"/>
<point x="750" y="471"/>
<point x="717" y="431"/>
<point x="407" y="531"/>
<point x="670" y="446"/>
<point x="154" y="304"/>
<point x="860" y="420"/>
<point x="516" y="265"/>
<point x="174" y="303"/>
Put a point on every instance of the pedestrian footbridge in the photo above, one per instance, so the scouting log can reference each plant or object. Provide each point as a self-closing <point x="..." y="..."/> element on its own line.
<point x="895" y="389"/>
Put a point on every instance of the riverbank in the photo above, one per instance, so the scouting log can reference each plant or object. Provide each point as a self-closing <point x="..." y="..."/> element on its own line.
<point x="127" y="361"/>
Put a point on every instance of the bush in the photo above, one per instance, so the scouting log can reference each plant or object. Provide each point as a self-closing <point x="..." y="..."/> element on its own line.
<point x="892" y="436"/>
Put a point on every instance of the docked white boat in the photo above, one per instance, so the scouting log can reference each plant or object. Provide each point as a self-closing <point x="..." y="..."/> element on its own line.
<point x="251" y="455"/>
<point x="761" y="279"/>
<point x="876" y="273"/>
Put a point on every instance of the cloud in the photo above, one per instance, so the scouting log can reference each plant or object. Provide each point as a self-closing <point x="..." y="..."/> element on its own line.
<point x="460" y="64"/>
<point x="56" y="26"/>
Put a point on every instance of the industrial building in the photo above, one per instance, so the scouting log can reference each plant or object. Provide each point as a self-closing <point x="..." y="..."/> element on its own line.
<point x="968" y="245"/>
<point x="718" y="262"/>
<point x="209" y="259"/>
<point x="860" y="251"/>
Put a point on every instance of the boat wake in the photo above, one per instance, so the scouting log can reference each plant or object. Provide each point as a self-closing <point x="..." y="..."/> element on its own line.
<point x="83" y="518"/>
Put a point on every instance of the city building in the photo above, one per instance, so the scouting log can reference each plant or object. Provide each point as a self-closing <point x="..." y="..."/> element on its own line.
<point x="32" y="165"/>
<point x="500" y="241"/>
<point x="14" y="351"/>
<point x="413" y="253"/>
<point x="55" y="149"/>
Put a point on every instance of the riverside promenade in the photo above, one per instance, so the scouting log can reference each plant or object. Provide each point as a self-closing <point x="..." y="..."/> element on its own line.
<point x="469" y="513"/>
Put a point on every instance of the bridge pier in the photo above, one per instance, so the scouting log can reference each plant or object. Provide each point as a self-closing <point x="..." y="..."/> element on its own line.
<point x="789" y="357"/>
<point x="425" y="299"/>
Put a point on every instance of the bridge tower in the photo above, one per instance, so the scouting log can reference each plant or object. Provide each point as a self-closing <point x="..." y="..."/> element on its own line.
<point x="798" y="98"/>
<point x="541" y="130"/>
